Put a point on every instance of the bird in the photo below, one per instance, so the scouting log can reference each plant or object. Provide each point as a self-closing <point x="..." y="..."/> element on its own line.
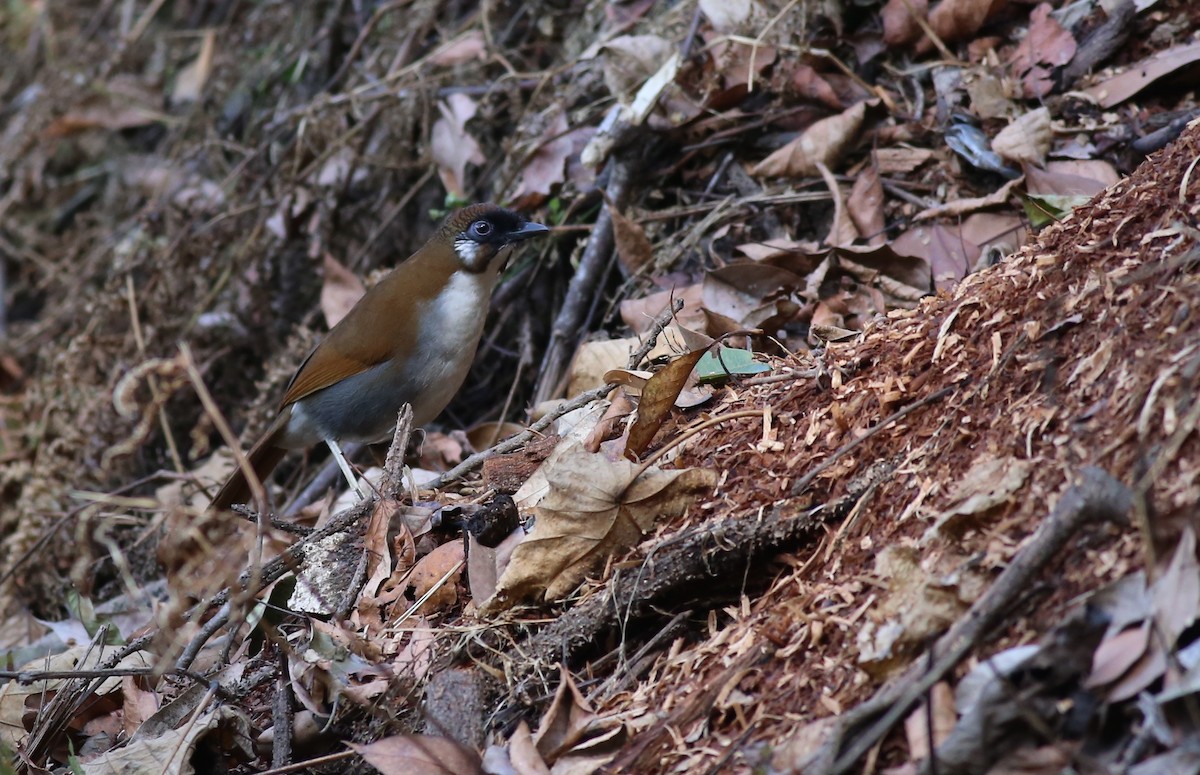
<point x="411" y="338"/>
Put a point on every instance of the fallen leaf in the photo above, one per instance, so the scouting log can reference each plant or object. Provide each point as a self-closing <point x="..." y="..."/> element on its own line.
<point x="565" y="722"/>
<point x="1115" y="90"/>
<point x="546" y="167"/>
<point x="430" y="571"/>
<point x="955" y="20"/>
<point x="1114" y="656"/>
<point x="658" y="397"/>
<point x="900" y="28"/>
<point x="340" y="291"/>
<point x="727" y="15"/>
<point x="419" y="755"/>
<point x="173" y="750"/>
<point x="1045" y="46"/>
<point x="989" y="482"/>
<point x="633" y="247"/>
<point x="865" y="205"/>
<point x="1027" y="139"/>
<point x="465" y="48"/>
<point x="630" y="60"/>
<point x="451" y="146"/>
<point x="824" y="142"/>
<point x="592" y="509"/>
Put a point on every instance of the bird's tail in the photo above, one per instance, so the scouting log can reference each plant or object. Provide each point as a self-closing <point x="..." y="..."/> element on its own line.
<point x="263" y="457"/>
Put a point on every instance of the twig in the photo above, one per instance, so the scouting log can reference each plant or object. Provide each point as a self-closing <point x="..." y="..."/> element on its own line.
<point x="282" y="718"/>
<point x="599" y="250"/>
<point x="1097" y="496"/>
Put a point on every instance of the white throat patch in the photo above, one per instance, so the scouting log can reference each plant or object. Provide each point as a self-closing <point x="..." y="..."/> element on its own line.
<point x="467" y="250"/>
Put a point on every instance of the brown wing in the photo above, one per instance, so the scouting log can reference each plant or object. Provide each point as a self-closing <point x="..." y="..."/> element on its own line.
<point x="323" y="367"/>
<point x="346" y="351"/>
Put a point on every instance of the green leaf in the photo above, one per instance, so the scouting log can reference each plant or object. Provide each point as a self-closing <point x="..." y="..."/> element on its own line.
<point x="729" y="361"/>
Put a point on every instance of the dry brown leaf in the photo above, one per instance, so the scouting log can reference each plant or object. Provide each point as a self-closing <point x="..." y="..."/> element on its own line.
<point x="949" y="252"/>
<point x="485" y="434"/>
<point x="824" y="142"/>
<point x="1117" y="654"/>
<point x="955" y="20"/>
<point x="639" y="314"/>
<point x="595" y="359"/>
<point x="970" y="205"/>
<point x="1070" y="178"/>
<point x="1046" y="46"/>
<point x="633" y="247"/>
<point x="629" y="60"/>
<point x="658" y="397"/>
<point x="451" y="146"/>
<point x="565" y="722"/>
<point x="593" y="508"/>
<point x="841" y="229"/>
<point x="172" y="751"/>
<point x="1027" y="139"/>
<point x="916" y="726"/>
<point x="899" y="26"/>
<point x="1115" y="90"/>
<point x="340" y="291"/>
<point x="1177" y="592"/>
<point x="523" y="754"/>
<point x="744" y="292"/>
<point x="865" y="205"/>
<point x="419" y="755"/>
<point x="812" y="85"/>
<point x="546" y="167"/>
<point x="429" y="572"/>
<point x="901" y="160"/>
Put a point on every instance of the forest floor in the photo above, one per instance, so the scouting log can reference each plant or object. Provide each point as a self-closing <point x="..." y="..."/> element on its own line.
<point x="846" y="421"/>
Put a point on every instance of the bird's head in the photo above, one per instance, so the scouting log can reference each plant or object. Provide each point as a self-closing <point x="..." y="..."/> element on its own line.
<point x="482" y="232"/>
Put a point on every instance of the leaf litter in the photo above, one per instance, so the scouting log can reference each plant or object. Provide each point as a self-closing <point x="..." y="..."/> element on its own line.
<point x="166" y="181"/>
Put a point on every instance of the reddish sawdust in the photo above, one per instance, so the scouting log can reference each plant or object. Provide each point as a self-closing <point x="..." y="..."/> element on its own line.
<point x="1080" y="349"/>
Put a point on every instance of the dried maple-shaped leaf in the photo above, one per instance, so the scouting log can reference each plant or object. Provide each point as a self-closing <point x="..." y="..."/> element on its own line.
<point x="451" y="146"/>
<point x="419" y="755"/>
<point x="658" y="396"/>
<point x="341" y="290"/>
<point x="593" y="509"/>
<point x="824" y="142"/>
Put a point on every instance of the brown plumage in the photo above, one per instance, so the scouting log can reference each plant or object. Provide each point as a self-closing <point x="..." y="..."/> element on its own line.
<point x="410" y="338"/>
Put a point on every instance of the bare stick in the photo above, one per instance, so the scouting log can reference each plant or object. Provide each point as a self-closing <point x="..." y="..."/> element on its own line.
<point x="584" y="285"/>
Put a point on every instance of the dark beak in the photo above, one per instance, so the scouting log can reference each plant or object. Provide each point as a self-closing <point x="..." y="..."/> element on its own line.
<point x="530" y="229"/>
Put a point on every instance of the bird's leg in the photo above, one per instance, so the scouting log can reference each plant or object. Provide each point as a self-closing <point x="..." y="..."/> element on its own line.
<point x="343" y="464"/>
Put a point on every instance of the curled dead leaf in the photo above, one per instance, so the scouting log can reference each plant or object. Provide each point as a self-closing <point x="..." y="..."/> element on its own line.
<point x="593" y="508"/>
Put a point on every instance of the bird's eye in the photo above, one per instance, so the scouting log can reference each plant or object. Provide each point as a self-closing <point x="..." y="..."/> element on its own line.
<point x="481" y="228"/>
